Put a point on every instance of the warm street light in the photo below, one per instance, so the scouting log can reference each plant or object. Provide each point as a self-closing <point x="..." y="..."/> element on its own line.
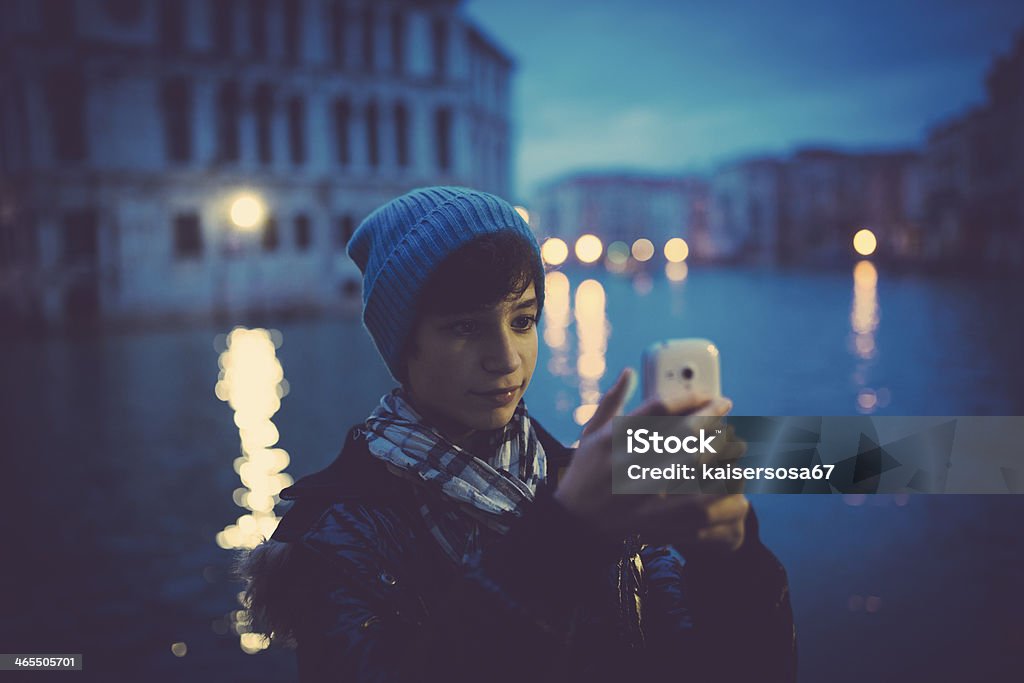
<point x="554" y="251"/>
<point x="589" y="248"/>
<point x="676" y="250"/>
<point x="643" y="249"/>
<point x="864" y="242"/>
<point x="247" y="211"/>
<point x="521" y="210"/>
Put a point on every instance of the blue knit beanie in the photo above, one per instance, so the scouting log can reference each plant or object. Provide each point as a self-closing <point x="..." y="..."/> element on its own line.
<point x="400" y="244"/>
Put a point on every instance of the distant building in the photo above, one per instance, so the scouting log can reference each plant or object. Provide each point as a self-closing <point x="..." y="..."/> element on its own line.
<point x="807" y="208"/>
<point x="129" y="127"/>
<point x="975" y="166"/>
<point x="747" y="217"/>
<point x="622" y="207"/>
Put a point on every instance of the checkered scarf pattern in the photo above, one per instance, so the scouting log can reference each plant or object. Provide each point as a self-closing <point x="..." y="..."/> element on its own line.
<point x="460" y="494"/>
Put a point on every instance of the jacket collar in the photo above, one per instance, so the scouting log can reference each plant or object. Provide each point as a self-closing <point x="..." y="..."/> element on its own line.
<point x="356" y="474"/>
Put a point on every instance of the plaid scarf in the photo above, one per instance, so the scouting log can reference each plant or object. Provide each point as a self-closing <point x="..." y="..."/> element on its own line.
<point x="458" y="493"/>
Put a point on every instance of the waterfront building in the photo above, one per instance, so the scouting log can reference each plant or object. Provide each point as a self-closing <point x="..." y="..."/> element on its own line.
<point x="806" y="208"/>
<point x="622" y="207"/>
<point x="182" y="158"/>
<point x="975" y="167"/>
<point x="746" y="220"/>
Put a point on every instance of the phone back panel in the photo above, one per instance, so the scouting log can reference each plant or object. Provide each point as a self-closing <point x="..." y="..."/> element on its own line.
<point x="678" y="368"/>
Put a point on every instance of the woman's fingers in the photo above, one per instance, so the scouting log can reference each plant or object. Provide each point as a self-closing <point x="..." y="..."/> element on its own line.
<point x="612" y="402"/>
<point x="654" y="407"/>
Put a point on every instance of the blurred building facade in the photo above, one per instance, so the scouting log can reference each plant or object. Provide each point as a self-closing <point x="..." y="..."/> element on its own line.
<point x="806" y="208"/>
<point x="975" y="170"/>
<point x="623" y="207"/>
<point x="129" y="127"/>
<point x="746" y="218"/>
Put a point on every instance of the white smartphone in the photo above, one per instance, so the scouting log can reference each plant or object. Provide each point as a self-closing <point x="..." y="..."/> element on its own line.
<point x="678" y="368"/>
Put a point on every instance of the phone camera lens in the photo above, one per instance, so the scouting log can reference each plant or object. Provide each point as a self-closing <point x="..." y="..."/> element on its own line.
<point x="687" y="373"/>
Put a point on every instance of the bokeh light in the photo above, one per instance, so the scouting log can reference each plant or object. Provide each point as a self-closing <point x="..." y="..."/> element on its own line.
<point x="676" y="271"/>
<point x="583" y="413"/>
<point x="252" y="382"/>
<point x="643" y="249"/>
<point x="521" y="210"/>
<point x="247" y="211"/>
<point x="592" y="329"/>
<point x="556" y="322"/>
<point x="676" y="250"/>
<point x="864" y="242"/>
<point x="589" y="248"/>
<point x="554" y="251"/>
<point x="618" y="253"/>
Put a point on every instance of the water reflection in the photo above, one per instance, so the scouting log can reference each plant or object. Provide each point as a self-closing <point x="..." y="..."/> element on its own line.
<point x="592" y="330"/>
<point x="252" y="382"/>
<point x="676" y="271"/>
<point x="556" y="322"/>
<point x="864" y="318"/>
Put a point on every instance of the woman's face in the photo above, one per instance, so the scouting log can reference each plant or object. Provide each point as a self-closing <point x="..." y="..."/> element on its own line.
<point x="468" y="371"/>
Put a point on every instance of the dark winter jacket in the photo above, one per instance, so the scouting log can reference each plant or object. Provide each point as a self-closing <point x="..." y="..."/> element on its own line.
<point x="355" y="578"/>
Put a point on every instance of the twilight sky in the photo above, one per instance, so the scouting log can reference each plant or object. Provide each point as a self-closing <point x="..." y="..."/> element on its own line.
<point x="684" y="85"/>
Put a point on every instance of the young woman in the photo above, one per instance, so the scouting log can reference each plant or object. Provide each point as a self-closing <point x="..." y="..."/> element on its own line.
<point x="454" y="539"/>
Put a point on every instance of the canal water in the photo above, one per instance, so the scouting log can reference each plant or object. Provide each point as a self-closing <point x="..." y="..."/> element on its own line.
<point x="122" y="491"/>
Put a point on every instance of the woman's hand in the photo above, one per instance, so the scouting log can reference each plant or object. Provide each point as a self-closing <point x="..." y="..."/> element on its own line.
<point x="699" y="522"/>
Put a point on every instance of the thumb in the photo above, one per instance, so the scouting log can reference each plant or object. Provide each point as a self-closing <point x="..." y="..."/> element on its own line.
<point x="612" y="402"/>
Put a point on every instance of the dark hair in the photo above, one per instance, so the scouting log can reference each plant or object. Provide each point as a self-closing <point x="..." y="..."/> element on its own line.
<point x="481" y="273"/>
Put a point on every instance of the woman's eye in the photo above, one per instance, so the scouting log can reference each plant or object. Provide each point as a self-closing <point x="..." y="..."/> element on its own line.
<point x="524" y="322"/>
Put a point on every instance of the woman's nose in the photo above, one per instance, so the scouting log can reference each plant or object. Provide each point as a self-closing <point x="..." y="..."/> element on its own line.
<point x="502" y="355"/>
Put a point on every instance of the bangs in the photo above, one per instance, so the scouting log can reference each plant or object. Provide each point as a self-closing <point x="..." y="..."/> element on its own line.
<point x="486" y="271"/>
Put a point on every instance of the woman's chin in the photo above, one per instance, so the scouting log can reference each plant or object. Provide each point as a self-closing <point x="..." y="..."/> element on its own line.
<point x="493" y="419"/>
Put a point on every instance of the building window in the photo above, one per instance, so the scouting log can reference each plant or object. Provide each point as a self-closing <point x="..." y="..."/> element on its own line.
<point x="439" y="41"/>
<point x="303" y="232"/>
<point x="172" y="25"/>
<point x="297" y="130"/>
<point x="223" y="27"/>
<point x="343" y="231"/>
<point x="258" y="27"/>
<point x="188" y="237"/>
<point x="369" y="44"/>
<point x="270" y="239"/>
<point x="177" y="108"/>
<point x="264" y="109"/>
<point x="81" y="237"/>
<point x="398" y="42"/>
<point x="65" y="95"/>
<point x="339" y="26"/>
<point x="292" y="29"/>
<point x="443" y="138"/>
<point x="342" y="121"/>
<point x="58" y="18"/>
<point x="228" y="106"/>
<point x="402" y="134"/>
<point x="372" y="134"/>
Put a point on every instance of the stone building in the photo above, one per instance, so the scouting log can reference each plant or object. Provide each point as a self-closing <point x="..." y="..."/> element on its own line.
<point x="130" y="130"/>
<point x="621" y="207"/>
<point x="807" y="207"/>
<point x="975" y="170"/>
<point x="746" y="220"/>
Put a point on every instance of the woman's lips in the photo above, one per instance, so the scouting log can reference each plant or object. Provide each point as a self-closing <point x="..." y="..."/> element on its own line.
<point x="498" y="398"/>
